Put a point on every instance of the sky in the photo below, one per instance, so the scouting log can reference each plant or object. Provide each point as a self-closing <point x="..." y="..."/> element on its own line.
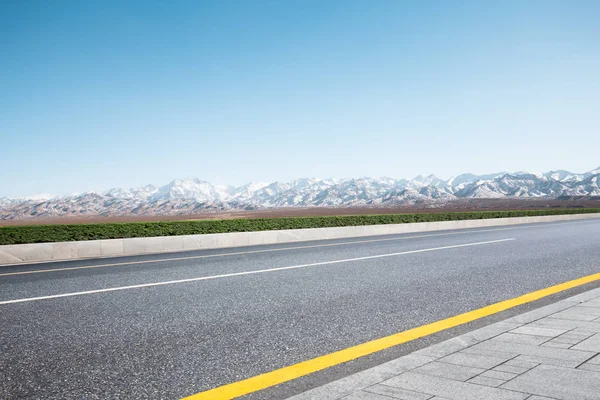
<point x="95" y="95"/>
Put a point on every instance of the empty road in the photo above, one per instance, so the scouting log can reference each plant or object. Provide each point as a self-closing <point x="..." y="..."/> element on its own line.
<point x="171" y="325"/>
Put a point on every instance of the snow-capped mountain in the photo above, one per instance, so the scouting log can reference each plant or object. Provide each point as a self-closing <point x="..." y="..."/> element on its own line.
<point x="191" y="196"/>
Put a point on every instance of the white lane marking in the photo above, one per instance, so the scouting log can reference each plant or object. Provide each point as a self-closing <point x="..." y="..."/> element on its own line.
<point x="260" y="271"/>
<point x="38" y="271"/>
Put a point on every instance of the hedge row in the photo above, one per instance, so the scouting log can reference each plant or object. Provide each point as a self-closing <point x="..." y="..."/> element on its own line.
<point x="66" y="233"/>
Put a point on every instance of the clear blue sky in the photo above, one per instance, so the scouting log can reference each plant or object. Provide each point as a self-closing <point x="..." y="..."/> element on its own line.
<point x="105" y="94"/>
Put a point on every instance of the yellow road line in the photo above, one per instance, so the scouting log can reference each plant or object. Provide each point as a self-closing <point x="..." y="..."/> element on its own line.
<point x="39" y="271"/>
<point x="291" y="372"/>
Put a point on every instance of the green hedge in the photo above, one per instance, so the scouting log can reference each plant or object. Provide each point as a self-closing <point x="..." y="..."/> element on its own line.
<point x="66" y="233"/>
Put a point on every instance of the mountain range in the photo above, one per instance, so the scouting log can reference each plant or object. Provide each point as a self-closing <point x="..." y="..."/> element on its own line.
<point x="192" y="196"/>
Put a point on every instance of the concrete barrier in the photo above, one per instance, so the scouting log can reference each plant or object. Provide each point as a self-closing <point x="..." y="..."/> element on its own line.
<point x="62" y="251"/>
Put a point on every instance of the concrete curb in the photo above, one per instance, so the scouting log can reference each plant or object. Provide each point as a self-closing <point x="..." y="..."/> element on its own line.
<point x="63" y="251"/>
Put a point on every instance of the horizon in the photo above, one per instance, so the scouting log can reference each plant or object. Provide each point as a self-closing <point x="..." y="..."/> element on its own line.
<point x="114" y="95"/>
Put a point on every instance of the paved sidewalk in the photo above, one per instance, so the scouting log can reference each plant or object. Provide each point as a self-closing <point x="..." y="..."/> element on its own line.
<point x="549" y="353"/>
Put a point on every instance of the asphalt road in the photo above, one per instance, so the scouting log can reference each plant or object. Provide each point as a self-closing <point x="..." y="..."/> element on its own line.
<point x="251" y="314"/>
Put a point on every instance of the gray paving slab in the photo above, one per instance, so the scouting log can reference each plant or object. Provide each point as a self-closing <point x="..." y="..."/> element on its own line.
<point x="589" y="297"/>
<point x="451" y="389"/>
<point x="568" y="324"/>
<point x="592" y="303"/>
<point x="535" y="331"/>
<point x="590" y="344"/>
<point x="505" y="376"/>
<point x="345" y="386"/>
<point x="576" y="334"/>
<point x="397" y="393"/>
<point x="485" y="381"/>
<point x="516" y="362"/>
<point x="536" y="351"/>
<point x="449" y="371"/>
<point x="539" y="398"/>
<point x="362" y="395"/>
<point x="361" y="380"/>
<point x="489" y="353"/>
<point x="573" y="314"/>
<point x="557" y="382"/>
<point x="473" y="360"/>
<point x="520" y="338"/>
<point x="595" y="360"/>
<point x="491" y="331"/>
<point x="586" y="310"/>
<point x="448" y="347"/>
<point x="563" y="339"/>
<point x="590" y="367"/>
<point x="548" y="361"/>
<point x="510" y="368"/>
<point x="557" y="345"/>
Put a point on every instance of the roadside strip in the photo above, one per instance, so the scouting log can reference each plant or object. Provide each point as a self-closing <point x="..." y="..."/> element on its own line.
<point x="470" y="231"/>
<point x="269" y="379"/>
<point x="29" y="253"/>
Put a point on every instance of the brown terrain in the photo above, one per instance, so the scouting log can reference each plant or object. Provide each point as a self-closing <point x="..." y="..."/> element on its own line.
<point x="462" y="205"/>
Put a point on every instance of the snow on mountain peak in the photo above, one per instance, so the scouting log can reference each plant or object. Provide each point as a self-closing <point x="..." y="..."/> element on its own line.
<point x="196" y="195"/>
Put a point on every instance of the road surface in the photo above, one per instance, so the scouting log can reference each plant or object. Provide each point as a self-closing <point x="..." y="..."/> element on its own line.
<point x="171" y="325"/>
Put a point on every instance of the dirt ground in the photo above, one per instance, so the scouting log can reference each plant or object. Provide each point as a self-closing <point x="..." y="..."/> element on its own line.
<point x="463" y="205"/>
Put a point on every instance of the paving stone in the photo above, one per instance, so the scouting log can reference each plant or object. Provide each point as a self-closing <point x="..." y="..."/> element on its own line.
<point x="557" y="382"/>
<point x="449" y="371"/>
<point x="549" y="361"/>
<point x="590" y="295"/>
<point x="521" y="363"/>
<point x="590" y="344"/>
<point x="581" y="331"/>
<point x="595" y="360"/>
<point x="519" y="338"/>
<point x="590" y="367"/>
<point x="361" y="380"/>
<point x="485" y="381"/>
<point x="505" y="376"/>
<point x="575" y="335"/>
<point x="448" y="347"/>
<point x="468" y="339"/>
<point x="571" y="314"/>
<point x="511" y="369"/>
<point x="451" y="389"/>
<point x="495" y="354"/>
<point x="587" y="310"/>
<point x="403" y="364"/>
<point x="490" y="331"/>
<point x="568" y="324"/>
<point x="561" y="339"/>
<point x="557" y="345"/>
<point x="345" y="386"/>
<point x="473" y="360"/>
<point x="397" y="393"/>
<point x="591" y="303"/>
<point x="361" y="395"/>
<point x="537" y="351"/>
<point x="536" y="331"/>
